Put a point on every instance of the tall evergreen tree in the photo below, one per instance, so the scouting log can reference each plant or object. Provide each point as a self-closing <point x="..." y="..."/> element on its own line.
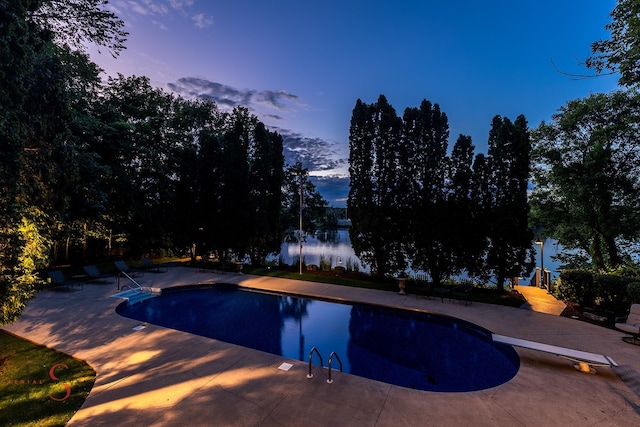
<point x="463" y="243"/>
<point x="266" y="180"/>
<point x="360" y="199"/>
<point x="510" y="252"/>
<point x="234" y="228"/>
<point x="426" y="130"/>
<point x="374" y="141"/>
<point x="481" y="204"/>
<point x="198" y="125"/>
<point x="251" y="188"/>
<point x="141" y="155"/>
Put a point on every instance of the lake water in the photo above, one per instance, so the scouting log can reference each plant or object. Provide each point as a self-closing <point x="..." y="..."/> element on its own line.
<point x="334" y="248"/>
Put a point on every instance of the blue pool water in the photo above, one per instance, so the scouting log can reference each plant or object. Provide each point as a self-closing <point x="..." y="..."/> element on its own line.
<point x="406" y="348"/>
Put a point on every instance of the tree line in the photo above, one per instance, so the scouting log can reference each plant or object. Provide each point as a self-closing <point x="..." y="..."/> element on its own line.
<point x="412" y="203"/>
<point x="443" y="216"/>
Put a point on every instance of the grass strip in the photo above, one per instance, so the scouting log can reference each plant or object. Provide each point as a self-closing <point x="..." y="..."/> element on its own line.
<point x="40" y="386"/>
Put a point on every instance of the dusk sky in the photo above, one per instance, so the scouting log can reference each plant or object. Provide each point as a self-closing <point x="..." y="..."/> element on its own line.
<point x="300" y="66"/>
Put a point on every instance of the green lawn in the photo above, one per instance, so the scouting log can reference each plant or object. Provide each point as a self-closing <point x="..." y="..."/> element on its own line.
<point x="39" y="386"/>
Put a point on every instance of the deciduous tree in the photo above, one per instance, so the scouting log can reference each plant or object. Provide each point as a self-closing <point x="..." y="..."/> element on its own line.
<point x="621" y="52"/>
<point x="587" y="177"/>
<point x="35" y="117"/>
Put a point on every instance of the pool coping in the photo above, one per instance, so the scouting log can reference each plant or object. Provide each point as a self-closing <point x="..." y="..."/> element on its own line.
<point x="322" y="350"/>
<point x="157" y="376"/>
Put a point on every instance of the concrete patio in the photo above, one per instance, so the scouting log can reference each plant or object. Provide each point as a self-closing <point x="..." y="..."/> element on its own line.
<point x="162" y="377"/>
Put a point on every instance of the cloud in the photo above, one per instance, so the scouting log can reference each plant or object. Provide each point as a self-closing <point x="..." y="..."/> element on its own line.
<point x="334" y="189"/>
<point x="156" y="7"/>
<point x="316" y="154"/>
<point x="273" y="116"/>
<point x="135" y="7"/>
<point x="200" y="20"/>
<point x="159" y="25"/>
<point x="162" y="8"/>
<point x="274" y="99"/>
<point x="180" y="4"/>
<point x="328" y="171"/>
<point x="323" y="158"/>
<point x="228" y="96"/>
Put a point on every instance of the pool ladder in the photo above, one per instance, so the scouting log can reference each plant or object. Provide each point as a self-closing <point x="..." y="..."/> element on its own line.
<point x="333" y="353"/>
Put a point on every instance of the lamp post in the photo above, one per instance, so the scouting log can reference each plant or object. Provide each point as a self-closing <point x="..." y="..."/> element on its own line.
<point x="300" y="216"/>
<point x="541" y="243"/>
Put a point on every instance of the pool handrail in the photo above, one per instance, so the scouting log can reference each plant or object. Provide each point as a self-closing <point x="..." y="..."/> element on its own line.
<point x="333" y="353"/>
<point x="138" y="287"/>
<point x="313" y="350"/>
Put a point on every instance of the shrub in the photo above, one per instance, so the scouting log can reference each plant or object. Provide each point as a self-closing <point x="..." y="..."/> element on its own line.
<point x="324" y="264"/>
<point x="353" y="265"/>
<point x="633" y="290"/>
<point x="607" y="292"/>
<point x="339" y="270"/>
<point x="470" y="282"/>
<point x="611" y="292"/>
<point x="576" y="286"/>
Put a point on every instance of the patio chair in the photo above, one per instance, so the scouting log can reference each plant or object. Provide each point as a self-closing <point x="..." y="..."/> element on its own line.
<point x="94" y="275"/>
<point x="463" y="293"/>
<point x="147" y="264"/>
<point x="122" y="267"/>
<point x="424" y="288"/>
<point x="631" y="325"/>
<point x="57" y="279"/>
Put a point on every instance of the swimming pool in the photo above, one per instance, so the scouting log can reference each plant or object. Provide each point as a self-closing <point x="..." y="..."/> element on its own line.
<point x="407" y="348"/>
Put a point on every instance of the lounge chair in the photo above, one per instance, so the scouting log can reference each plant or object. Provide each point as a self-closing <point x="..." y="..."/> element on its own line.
<point x="57" y="279"/>
<point x="424" y="288"/>
<point x="147" y="264"/>
<point x="122" y="267"/>
<point x="95" y="275"/>
<point x="631" y="325"/>
<point x="463" y="293"/>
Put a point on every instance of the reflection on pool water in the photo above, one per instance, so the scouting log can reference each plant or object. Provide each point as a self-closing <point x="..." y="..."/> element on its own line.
<point x="406" y="348"/>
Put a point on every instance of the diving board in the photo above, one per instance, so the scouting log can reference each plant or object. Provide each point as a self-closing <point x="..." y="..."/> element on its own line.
<point x="583" y="359"/>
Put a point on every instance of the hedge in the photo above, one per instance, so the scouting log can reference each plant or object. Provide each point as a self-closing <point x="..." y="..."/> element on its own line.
<point x="605" y="292"/>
